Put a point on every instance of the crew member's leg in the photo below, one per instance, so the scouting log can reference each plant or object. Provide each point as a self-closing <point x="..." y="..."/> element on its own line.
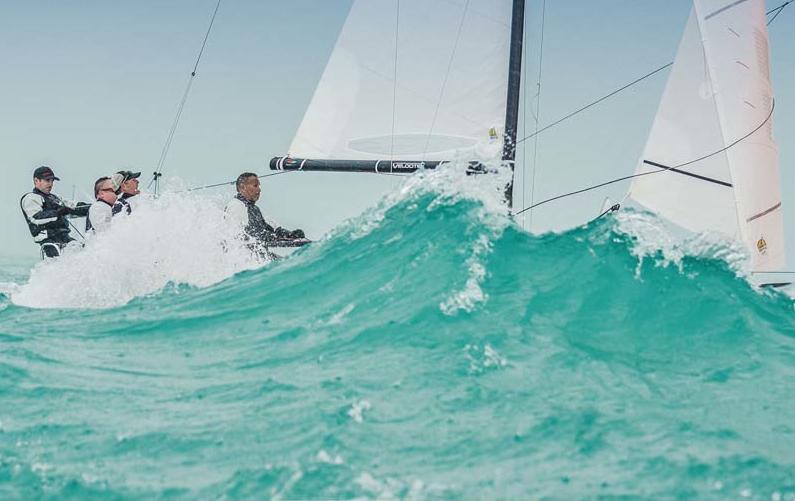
<point x="50" y="250"/>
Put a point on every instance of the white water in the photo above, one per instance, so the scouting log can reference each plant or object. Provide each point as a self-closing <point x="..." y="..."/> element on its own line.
<point x="175" y="239"/>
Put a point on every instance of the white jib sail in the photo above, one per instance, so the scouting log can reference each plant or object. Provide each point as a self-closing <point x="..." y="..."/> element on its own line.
<point x="718" y="91"/>
<point x="411" y="80"/>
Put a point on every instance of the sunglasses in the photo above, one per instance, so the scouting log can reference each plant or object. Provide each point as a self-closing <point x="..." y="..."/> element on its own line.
<point x="107" y="189"/>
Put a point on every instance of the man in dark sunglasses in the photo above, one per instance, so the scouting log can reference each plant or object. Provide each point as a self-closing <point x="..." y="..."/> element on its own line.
<point x="101" y="211"/>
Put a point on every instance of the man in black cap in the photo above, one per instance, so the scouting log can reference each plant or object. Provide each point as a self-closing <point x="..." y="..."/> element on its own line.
<point x="46" y="213"/>
<point x="127" y="185"/>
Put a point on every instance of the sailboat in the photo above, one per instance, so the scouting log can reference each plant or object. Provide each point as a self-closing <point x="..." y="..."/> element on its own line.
<point x="431" y="81"/>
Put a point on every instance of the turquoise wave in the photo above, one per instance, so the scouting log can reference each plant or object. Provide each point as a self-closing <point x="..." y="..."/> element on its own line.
<point x="430" y="349"/>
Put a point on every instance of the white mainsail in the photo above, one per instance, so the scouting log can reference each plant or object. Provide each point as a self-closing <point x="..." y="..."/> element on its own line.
<point x="718" y="92"/>
<point x="411" y="80"/>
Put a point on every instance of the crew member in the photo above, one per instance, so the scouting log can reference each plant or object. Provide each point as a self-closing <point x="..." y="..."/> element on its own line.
<point x="127" y="183"/>
<point x="46" y="214"/>
<point x="255" y="231"/>
<point x="101" y="211"/>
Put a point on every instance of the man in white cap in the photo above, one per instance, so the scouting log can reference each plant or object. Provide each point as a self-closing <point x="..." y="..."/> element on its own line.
<point x="126" y="184"/>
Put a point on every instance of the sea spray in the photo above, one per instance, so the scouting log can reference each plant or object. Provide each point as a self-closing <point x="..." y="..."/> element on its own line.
<point x="177" y="238"/>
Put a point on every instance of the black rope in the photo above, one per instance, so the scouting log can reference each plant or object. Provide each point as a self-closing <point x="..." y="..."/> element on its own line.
<point x="777" y="11"/>
<point x="594" y="103"/>
<point x="228" y="183"/>
<point x="780" y="7"/>
<point x="170" y="137"/>
<point x="75" y="228"/>
<point x="612" y="208"/>
<point x="537" y="111"/>
<point x="624" y="178"/>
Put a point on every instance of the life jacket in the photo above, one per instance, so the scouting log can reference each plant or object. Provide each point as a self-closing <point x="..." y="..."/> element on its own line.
<point x="122" y="206"/>
<point x="49" y="227"/>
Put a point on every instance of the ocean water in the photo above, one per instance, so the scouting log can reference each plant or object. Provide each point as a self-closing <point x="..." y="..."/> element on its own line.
<point x="429" y="349"/>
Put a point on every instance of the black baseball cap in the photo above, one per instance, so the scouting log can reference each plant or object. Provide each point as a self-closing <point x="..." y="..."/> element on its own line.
<point x="45" y="173"/>
<point x="128" y="174"/>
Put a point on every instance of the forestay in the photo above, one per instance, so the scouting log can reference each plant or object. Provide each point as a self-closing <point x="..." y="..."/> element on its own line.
<point x="411" y="80"/>
<point x="718" y="92"/>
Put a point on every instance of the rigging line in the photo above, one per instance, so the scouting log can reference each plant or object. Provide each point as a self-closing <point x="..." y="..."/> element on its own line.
<point x="174" y="124"/>
<point x="594" y="103"/>
<point x="206" y="36"/>
<point x="776" y="10"/>
<point x="394" y="84"/>
<point x="780" y="7"/>
<point x="181" y="106"/>
<point x="624" y="178"/>
<point x="446" y="76"/>
<point x="228" y="183"/>
<point x="538" y="109"/>
<point x="75" y="228"/>
<point x="775" y="272"/>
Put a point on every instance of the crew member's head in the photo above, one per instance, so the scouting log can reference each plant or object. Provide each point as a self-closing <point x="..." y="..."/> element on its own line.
<point x="103" y="190"/>
<point x="43" y="179"/>
<point x="248" y="186"/>
<point x="129" y="184"/>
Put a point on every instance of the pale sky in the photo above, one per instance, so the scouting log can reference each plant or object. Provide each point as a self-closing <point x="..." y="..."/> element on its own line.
<point x="91" y="87"/>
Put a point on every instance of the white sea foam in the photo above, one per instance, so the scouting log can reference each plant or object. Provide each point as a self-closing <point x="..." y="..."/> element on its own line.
<point x="338" y="317"/>
<point x="8" y="288"/>
<point x="450" y="184"/>
<point x="471" y="295"/>
<point x="178" y="238"/>
<point x="357" y="410"/>
<point x="665" y="245"/>
<point x="483" y="359"/>
<point x="391" y="488"/>
<point x="325" y="457"/>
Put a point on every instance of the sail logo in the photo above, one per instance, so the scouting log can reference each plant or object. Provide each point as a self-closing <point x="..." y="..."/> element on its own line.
<point x="407" y="166"/>
<point x="761" y="245"/>
<point x="492" y="134"/>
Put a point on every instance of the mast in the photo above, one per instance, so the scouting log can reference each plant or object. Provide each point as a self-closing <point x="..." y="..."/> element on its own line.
<point x="514" y="81"/>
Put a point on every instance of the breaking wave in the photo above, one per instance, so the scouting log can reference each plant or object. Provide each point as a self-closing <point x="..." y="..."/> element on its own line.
<point x="429" y="348"/>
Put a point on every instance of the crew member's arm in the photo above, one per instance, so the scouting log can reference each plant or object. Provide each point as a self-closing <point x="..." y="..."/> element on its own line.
<point x="78" y="209"/>
<point x="285" y="234"/>
<point x="33" y="207"/>
<point x="282" y="237"/>
<point x="279" y="237"/>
